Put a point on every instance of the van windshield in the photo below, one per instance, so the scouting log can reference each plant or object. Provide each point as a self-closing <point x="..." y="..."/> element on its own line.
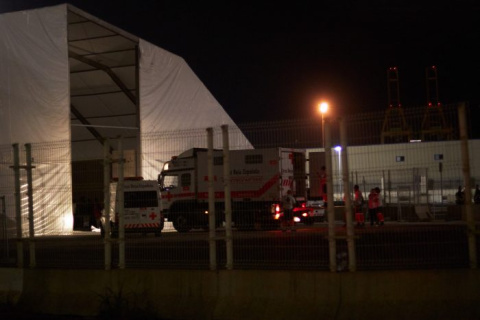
<point x="140" y="199"/>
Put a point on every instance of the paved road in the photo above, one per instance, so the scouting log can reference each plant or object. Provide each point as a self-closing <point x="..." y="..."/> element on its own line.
<point x="393" y="246"/>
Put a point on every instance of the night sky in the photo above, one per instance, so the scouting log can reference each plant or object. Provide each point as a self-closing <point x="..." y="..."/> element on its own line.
<point x="271" y="61"/>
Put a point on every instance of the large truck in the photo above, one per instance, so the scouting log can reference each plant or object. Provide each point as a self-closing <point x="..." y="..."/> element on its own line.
<point x="259" y="178"/>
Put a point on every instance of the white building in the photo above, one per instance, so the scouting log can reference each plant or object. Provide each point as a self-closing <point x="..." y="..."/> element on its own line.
<point x="418" y="172"/>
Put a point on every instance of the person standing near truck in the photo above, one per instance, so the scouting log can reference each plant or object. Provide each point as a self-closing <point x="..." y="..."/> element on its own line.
<point x="323" y="184"/>
<point x="380" y="217"/>
<point x="97" y="213"/>
<point x="460" y="196"/>
<point x="476" y="196"/>
<point x="358" y="206"/>
<point x="288" y="205"/>
<point x="372" y="207"/>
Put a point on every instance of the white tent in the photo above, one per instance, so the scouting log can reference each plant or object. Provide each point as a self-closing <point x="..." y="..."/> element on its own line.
<point x="72" y="80"/>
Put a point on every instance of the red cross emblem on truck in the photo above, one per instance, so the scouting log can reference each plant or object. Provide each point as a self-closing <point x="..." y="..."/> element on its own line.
<point x="152" y="215"/>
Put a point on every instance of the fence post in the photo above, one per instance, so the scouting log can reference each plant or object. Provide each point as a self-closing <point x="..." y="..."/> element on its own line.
<point x="106" y="205"/>
<point x="364" y="183"/>
<point x="389" y="184"/>
<point x="31" y="229"/>
<point x="18" y="208"/>
<point x="228" y="204"/>
<point x="211" y="203"/>
<point x="385" y="185"/>
<point x="472" y="246"/>
<point x="352" y="261"/>
<point x="332" y="245"/>
<point x="4" y="218"/>
<point x="121" y="206"/>
<point x="440" y="169"/>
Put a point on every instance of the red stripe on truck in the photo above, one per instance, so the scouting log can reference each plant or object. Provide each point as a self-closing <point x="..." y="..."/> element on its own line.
<point x="235" y="194"/>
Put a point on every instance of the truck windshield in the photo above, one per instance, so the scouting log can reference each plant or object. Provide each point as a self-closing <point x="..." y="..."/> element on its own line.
<point x="168" y="182"/>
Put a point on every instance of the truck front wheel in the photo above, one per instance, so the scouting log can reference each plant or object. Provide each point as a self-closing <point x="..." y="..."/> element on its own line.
<point x="181" y="223"/>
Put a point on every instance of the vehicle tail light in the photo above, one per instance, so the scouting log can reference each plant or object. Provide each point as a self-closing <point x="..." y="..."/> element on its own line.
<point x="275" y="209"/>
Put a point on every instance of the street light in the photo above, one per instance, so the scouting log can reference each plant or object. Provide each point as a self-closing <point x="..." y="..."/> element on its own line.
<point x="323" y="107"/>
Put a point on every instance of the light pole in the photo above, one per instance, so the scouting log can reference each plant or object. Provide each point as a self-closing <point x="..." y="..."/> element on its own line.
<point x="323" y="107"/>
<point x="338" y="150"/>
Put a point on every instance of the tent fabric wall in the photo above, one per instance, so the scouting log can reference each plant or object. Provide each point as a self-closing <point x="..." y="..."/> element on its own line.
<point x="171" y="95"/>
<point x="173" y="99"/>
<point x="34" y="82"/>
<point x="62" y="68"/>
<point x="34" y="109"/>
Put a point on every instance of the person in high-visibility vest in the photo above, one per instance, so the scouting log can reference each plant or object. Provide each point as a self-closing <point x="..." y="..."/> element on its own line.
<point x="358" y="206"/>
<point x="372" y="207"/>
<point x="380" y="217"/>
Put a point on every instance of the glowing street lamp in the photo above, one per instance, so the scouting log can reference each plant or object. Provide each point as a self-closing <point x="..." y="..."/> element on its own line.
<point x="323" y="107"/>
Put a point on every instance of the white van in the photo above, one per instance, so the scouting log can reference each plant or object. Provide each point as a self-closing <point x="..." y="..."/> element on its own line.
<point x="142" y="212"/>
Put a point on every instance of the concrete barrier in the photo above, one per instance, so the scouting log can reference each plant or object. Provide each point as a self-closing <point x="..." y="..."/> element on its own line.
<point x="232" y="295"/>
<point x="457" y="212"/>
<point x="11" y="286"/>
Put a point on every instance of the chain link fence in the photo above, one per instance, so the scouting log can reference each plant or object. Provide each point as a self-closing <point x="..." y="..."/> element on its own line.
<point x="418" y="168"/>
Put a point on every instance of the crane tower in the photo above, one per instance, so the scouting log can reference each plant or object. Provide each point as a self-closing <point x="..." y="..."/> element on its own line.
<point x="434" y="126"/>
<point x="394" y="127"/>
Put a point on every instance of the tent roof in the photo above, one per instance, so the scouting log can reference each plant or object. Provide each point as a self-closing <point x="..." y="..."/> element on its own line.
<point x="103" y="78"/>
<point x="68" y="74"/>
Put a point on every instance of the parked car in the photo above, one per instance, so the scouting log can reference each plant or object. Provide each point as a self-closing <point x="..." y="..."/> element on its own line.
<point x="309" y="212"/>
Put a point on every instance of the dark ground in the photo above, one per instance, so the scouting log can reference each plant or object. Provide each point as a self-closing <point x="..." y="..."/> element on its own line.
<point x="8" y="313"/>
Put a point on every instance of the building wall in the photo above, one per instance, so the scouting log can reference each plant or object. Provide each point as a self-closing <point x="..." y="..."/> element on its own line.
<point x="427" y="171"/>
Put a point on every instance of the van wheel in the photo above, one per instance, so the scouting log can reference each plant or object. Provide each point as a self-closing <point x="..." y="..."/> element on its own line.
<point x="181" y="223"/>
